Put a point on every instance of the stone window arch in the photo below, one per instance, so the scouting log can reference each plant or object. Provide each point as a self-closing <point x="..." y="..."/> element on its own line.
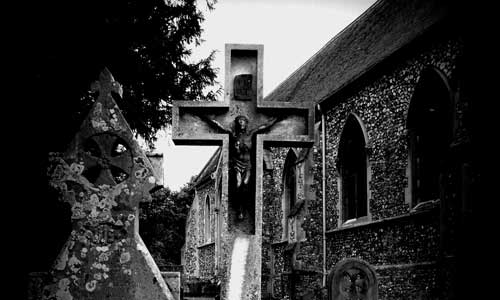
<point x="289" y="194"/>
<point x="207" y="221"/>
<point x="352" y="279"/>
<point x="218" y="224"/>
<point x="429" y="131"/>
<point x="353" y="169"/>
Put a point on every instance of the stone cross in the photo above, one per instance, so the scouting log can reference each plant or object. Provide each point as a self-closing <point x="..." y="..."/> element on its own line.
<point x="268" y="124"/>
<point x="104" y="175"/>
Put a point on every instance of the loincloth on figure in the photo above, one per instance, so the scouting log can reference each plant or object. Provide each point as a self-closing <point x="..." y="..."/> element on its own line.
<point x="241" y="166"/>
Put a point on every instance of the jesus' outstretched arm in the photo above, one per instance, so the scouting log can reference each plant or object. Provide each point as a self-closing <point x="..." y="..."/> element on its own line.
<point x="216" y="124"/>
<point x="267" y="125"/>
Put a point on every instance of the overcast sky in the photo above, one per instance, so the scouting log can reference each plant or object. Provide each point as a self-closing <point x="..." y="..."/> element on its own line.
<point x="291" y="32"/>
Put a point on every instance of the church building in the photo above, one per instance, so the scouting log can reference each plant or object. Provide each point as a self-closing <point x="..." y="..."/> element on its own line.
<point x="379" y="206"/>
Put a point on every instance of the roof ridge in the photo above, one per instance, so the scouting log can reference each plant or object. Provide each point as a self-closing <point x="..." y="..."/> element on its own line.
<point x="331" y="41"/>
<point x="209" y="162"/>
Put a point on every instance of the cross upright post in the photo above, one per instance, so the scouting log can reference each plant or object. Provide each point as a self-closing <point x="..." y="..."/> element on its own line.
<point x="243" y="124"/>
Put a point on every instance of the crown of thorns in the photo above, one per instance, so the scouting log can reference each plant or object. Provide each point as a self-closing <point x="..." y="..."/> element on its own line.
<point x="241" y="117"/>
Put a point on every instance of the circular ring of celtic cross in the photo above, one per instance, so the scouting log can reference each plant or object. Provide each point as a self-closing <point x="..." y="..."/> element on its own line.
<point x="107" y="158"/>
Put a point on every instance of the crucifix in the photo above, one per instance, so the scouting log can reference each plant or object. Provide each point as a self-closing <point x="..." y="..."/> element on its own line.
<point x="243" y="124"/>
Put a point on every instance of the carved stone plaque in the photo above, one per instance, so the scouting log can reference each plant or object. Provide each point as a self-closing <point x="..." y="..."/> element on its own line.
<point x="352" y="279"/>
<point x="243" y="87"/>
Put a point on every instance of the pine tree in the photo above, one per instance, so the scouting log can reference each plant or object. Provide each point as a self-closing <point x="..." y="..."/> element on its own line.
<point x="145" y="44"/>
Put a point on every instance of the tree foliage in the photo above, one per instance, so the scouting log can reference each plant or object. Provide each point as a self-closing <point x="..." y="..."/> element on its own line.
<point x="163" y="221"/>
<point x="65" y="45"/>
<point x="145" y="44"/>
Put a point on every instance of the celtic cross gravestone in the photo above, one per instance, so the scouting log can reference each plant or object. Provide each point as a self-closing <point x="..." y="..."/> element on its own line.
<point x="104" y="175"/>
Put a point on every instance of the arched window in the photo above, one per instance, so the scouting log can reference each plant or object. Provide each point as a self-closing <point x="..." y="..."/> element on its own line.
<point x="290" y="180"/>
<point x="352" y="167"/>
<point x="429" y="132"/>
<point x="289" y="192"/>
<point x="218" y="221"/>
<point x="207" y="223"/>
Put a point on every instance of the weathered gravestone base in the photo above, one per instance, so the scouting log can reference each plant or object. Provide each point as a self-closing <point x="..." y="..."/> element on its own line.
<point x="104" y="176"/>
<point x="243" y="124"/>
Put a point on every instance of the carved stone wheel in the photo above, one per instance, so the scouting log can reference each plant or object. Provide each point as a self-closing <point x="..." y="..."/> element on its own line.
<point x="353" y="284"/>
<point x="107" y="158"/>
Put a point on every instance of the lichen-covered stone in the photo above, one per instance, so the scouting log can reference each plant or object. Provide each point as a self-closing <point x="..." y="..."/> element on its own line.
<point x="104" y="257"/>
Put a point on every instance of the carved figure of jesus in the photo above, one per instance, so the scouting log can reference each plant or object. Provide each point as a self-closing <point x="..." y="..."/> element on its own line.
<point x="241" y="153"/>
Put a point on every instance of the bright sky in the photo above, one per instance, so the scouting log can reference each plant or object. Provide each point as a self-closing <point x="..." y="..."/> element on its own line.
<point x="291" y="31"/>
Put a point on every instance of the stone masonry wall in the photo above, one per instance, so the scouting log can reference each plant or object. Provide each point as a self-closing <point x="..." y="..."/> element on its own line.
<point x="412" y="282"/>
<point x="199" y="263"/>
<point x="403" y="248"/>
<point x="206" y="248"/>
<point x="192" y="240"/>
<point x="382" y="106"/>
<point x="408" y="239"/>
<point x="207" y="261"/>
<point x="281" y="259"/>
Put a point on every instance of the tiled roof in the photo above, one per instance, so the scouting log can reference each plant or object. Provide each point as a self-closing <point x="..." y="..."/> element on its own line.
<point x="209" y="168"/>
<point x="385" y="27"/>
